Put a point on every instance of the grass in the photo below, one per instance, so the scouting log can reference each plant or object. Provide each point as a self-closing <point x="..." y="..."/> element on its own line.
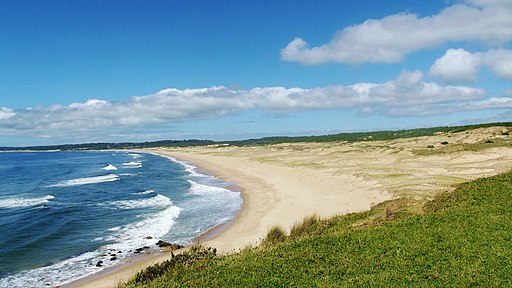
<point x="473" y="147"/>
<point x="275" y="235"/>
<point x="306" y="227"/>
<point x="461" y="240"/>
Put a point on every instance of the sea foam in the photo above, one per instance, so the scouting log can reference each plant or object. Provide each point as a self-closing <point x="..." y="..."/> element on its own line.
<point x="156" y="201"/>
<point x="124" y="238"/>
<point x="109" y="167"/>
<point x="135" y="164"/>
<point x="24" y="201"/>
<point x="87" y="180"/>
<point x="145" y="192"/>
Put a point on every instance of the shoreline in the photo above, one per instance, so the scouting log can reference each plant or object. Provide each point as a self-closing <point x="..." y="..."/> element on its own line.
<point x="271" y="195"/>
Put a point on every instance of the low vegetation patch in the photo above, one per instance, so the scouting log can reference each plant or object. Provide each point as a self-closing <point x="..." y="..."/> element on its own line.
<point x="275" y="235"/>
<point x="306" y="227"/>
<point x="461" y="240"/>
<point x="460" y="147"/>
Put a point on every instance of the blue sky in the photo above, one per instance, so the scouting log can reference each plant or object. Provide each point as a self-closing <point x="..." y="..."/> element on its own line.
<point x="89" y="71"/>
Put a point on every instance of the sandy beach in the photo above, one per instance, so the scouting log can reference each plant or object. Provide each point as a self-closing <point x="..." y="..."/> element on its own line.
<point x="282" y="183"/>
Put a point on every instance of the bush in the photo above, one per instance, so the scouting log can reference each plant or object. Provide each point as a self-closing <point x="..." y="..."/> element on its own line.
<point x="430" y="146"/>
<point x="444" y="142"/>
<point x="275" y="235"/>
<point x="304" y="227"/>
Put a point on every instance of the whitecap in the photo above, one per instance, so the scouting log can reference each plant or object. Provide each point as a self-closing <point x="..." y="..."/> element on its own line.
<point x="201" y="189"/>
<point x="87" y="180"/>
<point x="134" y="155"/>
<point x="156" y="225"/>
<point x="192" y="170"/>
<point x="135" y="164"/>
<point x="156" y="201"/>
<point x="109" y="167"/>
<point x="24" y="201"/>
<point x="124" y="239"/>
<point x="145" y="192"/>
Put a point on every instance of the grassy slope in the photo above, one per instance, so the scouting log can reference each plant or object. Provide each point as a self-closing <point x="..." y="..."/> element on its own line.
<point x="464" y="239"/>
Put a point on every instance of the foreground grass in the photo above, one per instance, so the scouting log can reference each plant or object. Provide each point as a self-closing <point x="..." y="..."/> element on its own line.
<point x="463" y="239"/>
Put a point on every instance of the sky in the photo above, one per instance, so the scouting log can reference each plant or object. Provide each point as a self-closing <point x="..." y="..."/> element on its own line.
<point x="134" y="70"/>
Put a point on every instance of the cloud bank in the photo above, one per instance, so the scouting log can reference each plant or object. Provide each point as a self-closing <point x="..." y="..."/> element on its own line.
<point x="459" y="65"/>
<point x="392" y="38"/>
<point x="407" y="95"/>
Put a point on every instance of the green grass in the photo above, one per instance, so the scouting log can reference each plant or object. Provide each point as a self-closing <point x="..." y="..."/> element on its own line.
<point x="463" y="239"/>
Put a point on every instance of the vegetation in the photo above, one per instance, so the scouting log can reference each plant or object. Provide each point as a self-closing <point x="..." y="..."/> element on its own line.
<point x="305" y="227"/>
<point x="349" y="137"/>
<point x="461" y="240"/>
<point x="453" y="148"/>
<point x="275" y="235"/>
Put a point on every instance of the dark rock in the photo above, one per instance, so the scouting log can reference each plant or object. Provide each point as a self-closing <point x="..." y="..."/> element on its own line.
<point x="172" y="246"/>
<point x="139" y="249"/>
<point x="99" y="264"/>
<point x="113" y="258"/>
<point x="149" y="237"/>
<point x="145" y="247"/>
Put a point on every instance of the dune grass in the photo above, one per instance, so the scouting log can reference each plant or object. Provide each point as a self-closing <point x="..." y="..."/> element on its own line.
<point x="275" y="235"/>
<point x="305" y="227"/>
<point x="463" y="239"/>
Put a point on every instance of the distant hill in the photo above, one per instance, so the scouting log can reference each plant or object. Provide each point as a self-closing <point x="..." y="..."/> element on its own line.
<point x="349" y="137"/>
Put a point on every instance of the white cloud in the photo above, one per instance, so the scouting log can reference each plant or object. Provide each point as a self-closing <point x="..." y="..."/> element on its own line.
<point x="456" y="65"/>
<point x="495" y="102"/>
<point x="499" y="62"/>
<point x="461" y="65"/>
<point x="390" y="39"/>
<point x="6" y="113"/>
<point x="408" y="94"/>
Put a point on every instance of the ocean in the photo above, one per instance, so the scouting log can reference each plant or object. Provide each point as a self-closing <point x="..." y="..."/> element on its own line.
<point x="62" y="213"/>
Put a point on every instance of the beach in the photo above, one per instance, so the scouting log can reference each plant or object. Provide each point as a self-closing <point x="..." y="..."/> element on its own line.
<point x="283" y="183"/>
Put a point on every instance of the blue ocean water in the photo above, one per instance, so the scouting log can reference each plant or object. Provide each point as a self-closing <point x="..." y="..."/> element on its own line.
<point x="63" y="212"/>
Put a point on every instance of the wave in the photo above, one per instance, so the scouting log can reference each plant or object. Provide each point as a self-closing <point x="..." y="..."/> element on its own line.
<point x="135" y="164"/>
<point x="145" y="192"/>
<point x="109" y="167"/>
<point x="201" y="189"/>
<point x="134" y="234"/>
<point x="192" y="170"/>
<point x="156" y="201"/>
<point x="87" y="180"/>
<point x="134" y="155"/>
<point x="24" y="202"/>
<point x="124" y="239"/>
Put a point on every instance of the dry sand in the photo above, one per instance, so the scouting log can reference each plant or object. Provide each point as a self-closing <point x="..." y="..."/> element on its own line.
<point x="283" y="183"/>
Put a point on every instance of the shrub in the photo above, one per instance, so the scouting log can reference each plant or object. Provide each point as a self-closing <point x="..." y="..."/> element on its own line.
<point x="304" y="227"/>
<point x="444" y="142"/>
<point x="430" y="146"/>
<point x="275" y="235"/>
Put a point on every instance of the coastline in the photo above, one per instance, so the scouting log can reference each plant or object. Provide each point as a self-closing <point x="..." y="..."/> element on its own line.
<point x="272" y="195"/>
